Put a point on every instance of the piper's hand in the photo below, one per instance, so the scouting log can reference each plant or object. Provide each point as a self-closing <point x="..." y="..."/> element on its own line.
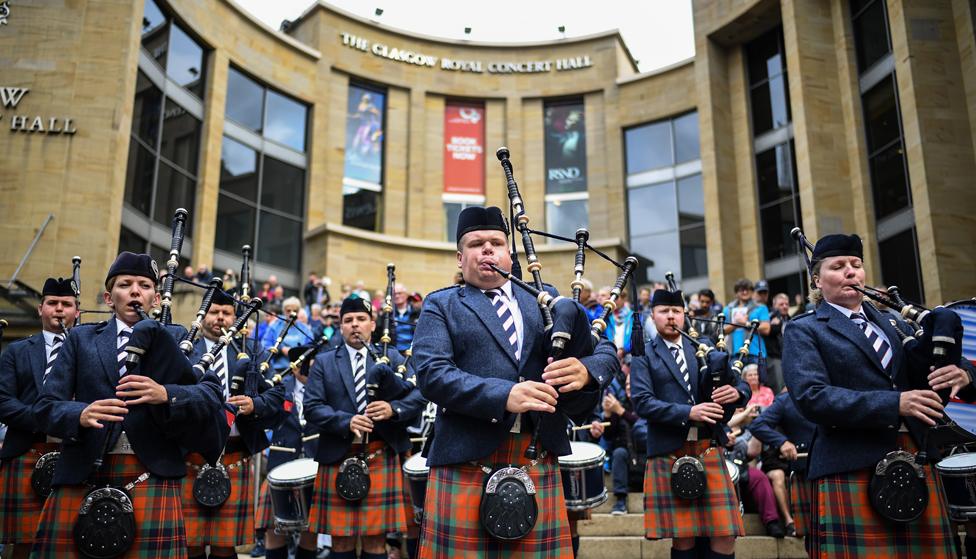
<point x="788" y="451"/>
<point x="709" y="412"/>
<point x="924" y="405"/>
<point x="531" y="396"/>
<point x="596" y="429"/>
<point x="950" y="376"/>
<point x="244" y="403"/>
<point x="144" y="389"/>
<point x="567" y="374"/>
<point x="360" y="424"/>
<point x="379" y="410"/>
<point x="725" y="395"/>
<point x="102" y="410"/>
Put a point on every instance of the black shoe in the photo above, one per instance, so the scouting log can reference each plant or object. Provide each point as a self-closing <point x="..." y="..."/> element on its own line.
<point x="775" y="529"/>
<point x="258" y="549"/>
<point x="791" y="530"/>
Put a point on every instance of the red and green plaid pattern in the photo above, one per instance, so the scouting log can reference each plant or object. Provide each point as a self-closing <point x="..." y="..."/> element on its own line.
<point x="158" y="513"/>
<point x="452" y="527"/>
<point x="228" y="525"/>
<point x="264" y="517"/>
<point x="800" y="490"/>
<point x="715" y="514"/>
<point x="19" y="506"/>
<point x="380" y="512"/>
<point x="845" y="525"/>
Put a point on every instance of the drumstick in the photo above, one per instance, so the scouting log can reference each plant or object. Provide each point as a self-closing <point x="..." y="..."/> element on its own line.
<point x="418" y="439"/>
<point x="802" y="454"/>
<point x="588" y="425"/>
<point x="310" y="438"/>
<point x="281" y="448"/>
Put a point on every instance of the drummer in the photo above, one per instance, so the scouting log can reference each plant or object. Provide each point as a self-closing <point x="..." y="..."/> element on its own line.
<point x="288" y="442"/>
<point x="350" y="425"/>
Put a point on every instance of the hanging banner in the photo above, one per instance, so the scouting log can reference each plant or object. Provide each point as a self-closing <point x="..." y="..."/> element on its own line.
<point x="364" y="139"/>
<point x="565" y="129"/>
<point x="464" y="149"/>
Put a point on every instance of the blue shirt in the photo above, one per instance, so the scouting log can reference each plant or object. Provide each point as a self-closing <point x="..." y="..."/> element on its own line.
<point x="757" y="312"/>
<point x="404" y="329"/>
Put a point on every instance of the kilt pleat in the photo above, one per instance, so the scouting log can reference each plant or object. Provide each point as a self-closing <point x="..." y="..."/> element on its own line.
<point x="413" y="516"/>
<point x="230" y="524"/>
<point x="380" y="512"/>
<point x="264" y="517"/>
<point x="800" y="492"/>
<point x="451" y="525"/>
<point x="715" y="514"/>
<point x="157" y="504"/>
<point x="844" y="524"/>
<point x="20" y="508"/>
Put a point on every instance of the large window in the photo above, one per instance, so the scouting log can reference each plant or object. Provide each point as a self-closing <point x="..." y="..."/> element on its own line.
<point x="775" y="161"/>
<point x="362" y="177"/>
<point x="262" y="178"/>
<point x="666" y="208"/>
<point x="565" y="166"/>
<point x="888" y="167"/>
<point x="164" y="145"/>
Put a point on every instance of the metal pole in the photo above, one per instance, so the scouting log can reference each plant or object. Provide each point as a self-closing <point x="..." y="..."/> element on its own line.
<point x="30" y="249"/>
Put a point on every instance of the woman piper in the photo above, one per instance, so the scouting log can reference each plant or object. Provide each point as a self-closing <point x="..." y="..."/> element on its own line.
<point x="848" y="373"/>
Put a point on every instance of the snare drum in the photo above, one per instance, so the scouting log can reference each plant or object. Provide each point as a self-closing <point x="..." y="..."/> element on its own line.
<point x="582" y="473"/>
<point x="291" y="486"/>
<point x="733" y="470"/>
<point x="958" y="474"/>
<point x="416" y="470"/>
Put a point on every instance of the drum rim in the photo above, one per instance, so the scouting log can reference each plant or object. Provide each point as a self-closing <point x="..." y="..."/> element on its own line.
<point x="586" y="504"/>
<point x="291" y="466"/>
<point x="945" y="465"/>
<point x="413" y="460"/>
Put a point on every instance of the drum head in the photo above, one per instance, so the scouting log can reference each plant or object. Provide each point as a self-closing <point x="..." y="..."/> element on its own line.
<point x="416" y="465"/>
<point x="965" y="462"/>
<point x="583" y="453"/>
<point x="733" y="470"/>
<point x="295" y="471"/>
<point x="962" y="413"/>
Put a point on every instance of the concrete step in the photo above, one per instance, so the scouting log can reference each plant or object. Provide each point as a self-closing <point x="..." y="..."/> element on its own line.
<point x="604" y="524"/>
<point x="627" y="547"/>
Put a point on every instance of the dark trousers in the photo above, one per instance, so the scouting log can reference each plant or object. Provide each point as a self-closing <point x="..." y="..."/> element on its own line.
<point x="619" y="467"/>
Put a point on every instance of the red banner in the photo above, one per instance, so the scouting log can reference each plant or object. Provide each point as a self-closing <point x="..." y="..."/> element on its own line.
<point x="464" y="149"/>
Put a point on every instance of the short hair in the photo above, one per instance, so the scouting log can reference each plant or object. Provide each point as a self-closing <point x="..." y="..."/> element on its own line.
<point x="779" y="296"/>
<point x="743" y="283"/>
<point x="587" y="284"/>
<point x="707" y="293"/>
<point x="291" y="301"/>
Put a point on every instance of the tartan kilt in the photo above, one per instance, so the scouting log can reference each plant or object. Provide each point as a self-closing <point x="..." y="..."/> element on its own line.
<point x="157" y="504"/>
<point x="800" y="491"/>
<point x="380" y="512"/>
<point x="846" y="526"/>
<point x="264" y="517"/>
<point x="452" y="526"/>
<point x="230" y="524"/>
<point x="715" y="514"/>
<point x="20" y="508"/>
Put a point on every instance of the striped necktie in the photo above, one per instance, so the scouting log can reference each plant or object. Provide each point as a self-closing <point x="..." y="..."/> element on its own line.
<point x="123" y="341"/>
<point x="877" y="342"/>
<point x="679" y="358"/>
<point x="508" y="321"/>
<point x="220" y="369"/>
<point x="359" y="381"/>
<point x="55" y="348"/>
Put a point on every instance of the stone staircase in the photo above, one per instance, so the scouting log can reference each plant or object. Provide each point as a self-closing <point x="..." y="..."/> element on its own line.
<point x="622" y="537"/>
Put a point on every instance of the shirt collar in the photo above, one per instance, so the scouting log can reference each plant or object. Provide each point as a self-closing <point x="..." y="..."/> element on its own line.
<point x="846" y="311"/>
<point x="49" y="337"/>
<point x="120" y="326"/>
<point x="505" y="288"/>
<point x="353" y="351"/>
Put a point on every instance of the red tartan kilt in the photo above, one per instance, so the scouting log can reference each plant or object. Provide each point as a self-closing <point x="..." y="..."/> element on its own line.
<point x="156" y="502"/>
<point x="380" y="512"/>
<point x="452" y="525"/>
<point x="264" y="517"/>
<point x="715" y="514"/>
<point x="800" y="490"/>
<point x="21" y="508"/>
<point x="845" y="525"/>
<point x="228" y="525"/>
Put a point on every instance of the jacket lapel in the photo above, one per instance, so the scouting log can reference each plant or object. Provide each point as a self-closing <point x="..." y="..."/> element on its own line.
<point x="665" y="355"/>
<point x="883" y="321"/>
<point x="531" y="322"/>
<point x="846" y="328"/>
<point x="345" y="372"/>
<point x="481" y="306"/>
<point x="37" y="358"/>
<point x="691" y="361"/>
<point x="106" y="343"/>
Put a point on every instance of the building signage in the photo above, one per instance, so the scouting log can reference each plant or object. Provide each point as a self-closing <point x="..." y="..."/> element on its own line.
<point x="10" y="97"/>
<point x="464" y="140"/>
<point x="408" y="56"/>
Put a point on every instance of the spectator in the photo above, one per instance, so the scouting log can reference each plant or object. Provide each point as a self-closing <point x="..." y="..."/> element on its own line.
<point x="740" y="313"/>
<point x="703" y="314"/>
<point x="458" y="279"/>
<point x="315" y="319"/>
<point x="416" y="302"/>
<point x="779" y="316"/>
<point x="328" y="318"/>
<point x="267" y="319"/>
<point x="273" y="281"/>
<point x="762" y="395"/>
<point x="588" y="300"/>
<point x="266" y="293"/>
<point x="379" y="297"/>
<point x="621" y="444"/>
<point x="620" y="325"/>
<point x="299" y="334"/>
<point x="188" y="273"/>
<point x="314" y="291"/>
<point x="406" y="318"/>
<point x="345" y="292"/>
<point x="761" y="296"/>
<point x="230" y="280"/>
<point x="203" y="274"/>
<point x="755" y="487"/>
<point x="360" y="290"/>
<point x="278" y="295"/>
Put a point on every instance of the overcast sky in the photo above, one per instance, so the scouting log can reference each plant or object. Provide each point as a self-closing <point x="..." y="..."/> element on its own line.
<point x="658" y="32"/>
